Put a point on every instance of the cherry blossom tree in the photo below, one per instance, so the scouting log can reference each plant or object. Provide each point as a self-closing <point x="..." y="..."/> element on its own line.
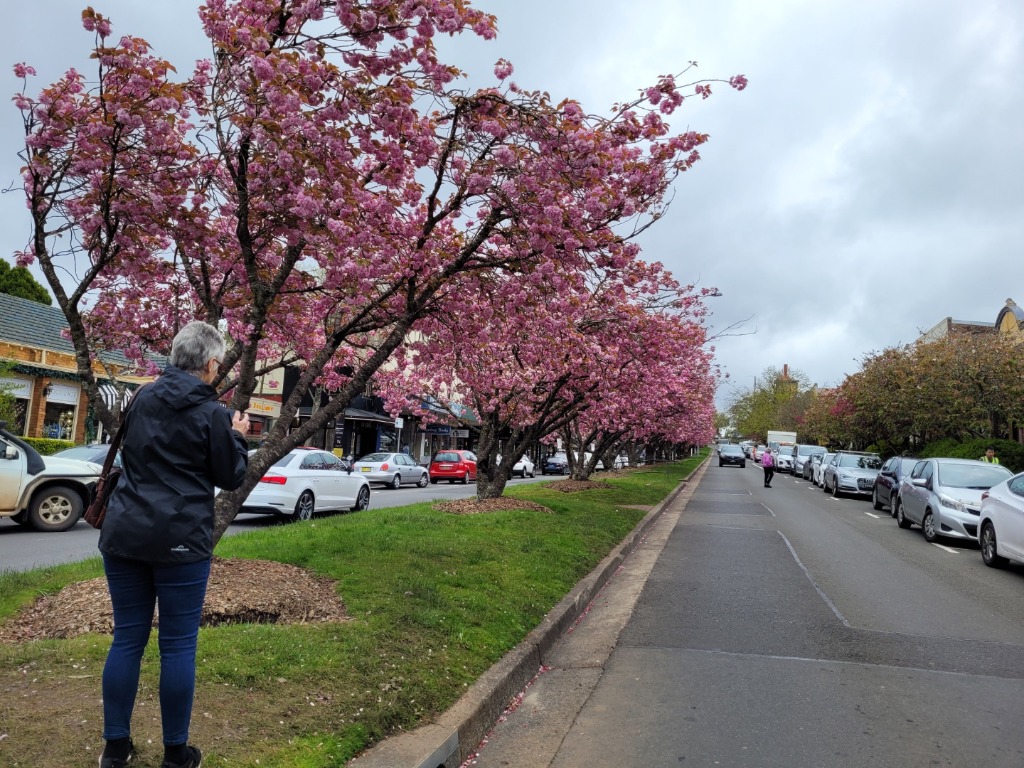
<point x="613" y="353"/>
<point x="317" y="187"/>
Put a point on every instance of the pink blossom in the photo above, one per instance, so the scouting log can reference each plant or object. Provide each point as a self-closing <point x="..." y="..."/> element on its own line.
<point x="503" y="69"/>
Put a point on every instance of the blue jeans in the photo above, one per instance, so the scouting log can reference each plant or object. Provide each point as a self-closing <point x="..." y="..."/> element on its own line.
<point x="135" y="588"/>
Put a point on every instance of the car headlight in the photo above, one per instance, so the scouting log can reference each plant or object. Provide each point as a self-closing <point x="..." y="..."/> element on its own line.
<point x="951" y="503"/>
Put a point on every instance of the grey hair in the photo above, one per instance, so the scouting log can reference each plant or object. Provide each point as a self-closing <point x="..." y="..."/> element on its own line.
<point x="194" y="345"/>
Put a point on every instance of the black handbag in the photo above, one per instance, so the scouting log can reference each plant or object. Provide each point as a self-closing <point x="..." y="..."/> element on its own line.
<point x="97" y="510"/>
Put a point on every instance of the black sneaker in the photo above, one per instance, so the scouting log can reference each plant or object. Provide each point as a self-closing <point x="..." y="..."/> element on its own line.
<point x="194" y="760"/>
<point x="119" y="762"/>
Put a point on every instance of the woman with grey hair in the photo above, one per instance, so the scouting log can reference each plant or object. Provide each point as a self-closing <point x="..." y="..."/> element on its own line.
<point x="157" y="538"/>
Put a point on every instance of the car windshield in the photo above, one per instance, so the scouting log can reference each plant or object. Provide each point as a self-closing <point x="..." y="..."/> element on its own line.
<point x="447" y="456"/>
<point x="810" y="450"/>
<point x="859" y="461"/>
<point x="376" y="457"/>
<point x="978" y="477"/>
<point x="732" y="449"/>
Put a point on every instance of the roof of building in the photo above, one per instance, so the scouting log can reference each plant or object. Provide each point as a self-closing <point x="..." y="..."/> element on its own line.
<point x="1011" y="307"/>
<point x="33" y="324"/>
<point x="36" y="325"/>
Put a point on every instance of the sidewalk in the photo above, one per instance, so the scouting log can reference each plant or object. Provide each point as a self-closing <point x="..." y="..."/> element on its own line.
<point x="548" y="677"/>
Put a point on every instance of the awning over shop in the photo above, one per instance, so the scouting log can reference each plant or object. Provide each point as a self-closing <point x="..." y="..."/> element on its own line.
<point x="358" y="414"/>
<point x="109" y="394"/>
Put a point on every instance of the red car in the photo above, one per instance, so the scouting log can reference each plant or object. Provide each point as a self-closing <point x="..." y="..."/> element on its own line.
<point x="452" y="466"/>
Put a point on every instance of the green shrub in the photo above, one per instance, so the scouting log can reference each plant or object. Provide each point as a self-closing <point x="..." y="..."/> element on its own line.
<point x="1010" y="454"/>
<point x="47" y="445"/>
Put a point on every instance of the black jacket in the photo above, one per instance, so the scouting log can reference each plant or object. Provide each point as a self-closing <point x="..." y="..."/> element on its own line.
<point x="179" y="444"/>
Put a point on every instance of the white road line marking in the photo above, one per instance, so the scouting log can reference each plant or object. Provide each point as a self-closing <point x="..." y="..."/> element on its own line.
<point x="871" y="514"/>
<point x="946" y="549"/>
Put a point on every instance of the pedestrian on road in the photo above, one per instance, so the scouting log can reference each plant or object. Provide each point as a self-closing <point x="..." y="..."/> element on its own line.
<point x="768" y="465"/>
<point x="990" y="456"/>
<point x="157" y="538"/>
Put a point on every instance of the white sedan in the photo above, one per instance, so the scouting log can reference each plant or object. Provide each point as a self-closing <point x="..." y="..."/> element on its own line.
<point x="306" y="481"/>
<point x="1001" y="529"/>
<point x="819" y="470"/>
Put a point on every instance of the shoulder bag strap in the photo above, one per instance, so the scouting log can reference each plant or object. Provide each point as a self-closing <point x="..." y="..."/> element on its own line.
<point x="115" y="443"/>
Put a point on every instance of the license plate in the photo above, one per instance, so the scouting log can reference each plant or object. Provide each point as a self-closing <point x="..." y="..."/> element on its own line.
<point x="365" y="469"/>
<point x="446" y="466"/>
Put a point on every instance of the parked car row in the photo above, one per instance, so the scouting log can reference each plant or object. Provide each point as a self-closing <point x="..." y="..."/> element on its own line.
<point x="50" y="492"/>
<point x="963" y="499"/>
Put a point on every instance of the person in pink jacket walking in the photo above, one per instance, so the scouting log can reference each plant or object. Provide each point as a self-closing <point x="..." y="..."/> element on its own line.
<point x="768" y="465"/>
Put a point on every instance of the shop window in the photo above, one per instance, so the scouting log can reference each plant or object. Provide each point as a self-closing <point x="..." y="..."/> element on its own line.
<point x="59" y="422"/>
<point x="388" y="439"/>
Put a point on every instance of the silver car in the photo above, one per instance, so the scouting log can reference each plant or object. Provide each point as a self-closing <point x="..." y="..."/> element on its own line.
<point x="802" y="456"/>
<point x="851" y="472"/>
<point x="943" y="496"/>
<point x="392" y="469"/>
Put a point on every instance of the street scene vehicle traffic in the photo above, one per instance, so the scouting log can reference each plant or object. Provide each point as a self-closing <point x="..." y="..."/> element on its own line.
<point x="44" y="492"/>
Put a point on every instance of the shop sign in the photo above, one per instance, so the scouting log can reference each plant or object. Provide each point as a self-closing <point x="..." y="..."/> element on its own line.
<point x="399" y="422"/>
<point x="461" y="433"/>
<point x="438" y="429"/>
<point x="63" y="393"/>
<point x="19" y="389"/>
<point x="260" y="407"/>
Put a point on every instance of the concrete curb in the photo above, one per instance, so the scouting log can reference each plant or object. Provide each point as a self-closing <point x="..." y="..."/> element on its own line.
<point x="457" y="733"/>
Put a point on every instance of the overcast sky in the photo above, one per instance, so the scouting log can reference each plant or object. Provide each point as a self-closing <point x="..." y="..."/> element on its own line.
<point x="868" y="183"/>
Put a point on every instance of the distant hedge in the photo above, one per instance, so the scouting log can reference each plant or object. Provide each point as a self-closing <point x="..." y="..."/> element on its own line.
<point x="1009" y="453"/>
<point x="47" y="445"/>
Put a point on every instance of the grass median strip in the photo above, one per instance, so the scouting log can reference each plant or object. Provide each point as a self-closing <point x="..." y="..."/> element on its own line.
<point x="434" y="598"/>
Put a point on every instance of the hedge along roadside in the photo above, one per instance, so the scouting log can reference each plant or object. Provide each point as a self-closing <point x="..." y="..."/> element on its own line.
<point x="436" y="599"/>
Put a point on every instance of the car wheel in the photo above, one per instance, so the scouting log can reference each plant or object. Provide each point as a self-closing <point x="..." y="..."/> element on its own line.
<point x="721" y="464"/>
<point x="874" y="499"/>
<point x="465" y="478"/>
<point x="304" y="506"/>
<point x="928" y="527"/>
<point x="423" y="481"/>
<point x="988" y="547"/>
<point x="533" y="474"/>
<point x="433" y="481"/>
<point x="362" y="499"/>
<point x="743" y="465"/>
<point x="396" y="481"/>
<point x="835" y="490"/>
<point x="451" y="482"/>
<point x="901" y="519"/>
<point x="55" y="509"/>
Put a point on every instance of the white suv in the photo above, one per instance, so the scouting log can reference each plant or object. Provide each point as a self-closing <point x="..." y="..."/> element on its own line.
<point x="45" y="492"/>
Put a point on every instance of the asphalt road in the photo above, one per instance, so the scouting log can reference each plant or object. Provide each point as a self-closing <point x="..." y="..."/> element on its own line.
<point x="781" y="627"/>
<point x="22" y="548"/>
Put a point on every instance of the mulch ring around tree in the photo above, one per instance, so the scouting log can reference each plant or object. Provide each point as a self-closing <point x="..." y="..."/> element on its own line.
<point x="481" y="506"/>
<point x="572" y="486"/>
<point x="240" y="591"/>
